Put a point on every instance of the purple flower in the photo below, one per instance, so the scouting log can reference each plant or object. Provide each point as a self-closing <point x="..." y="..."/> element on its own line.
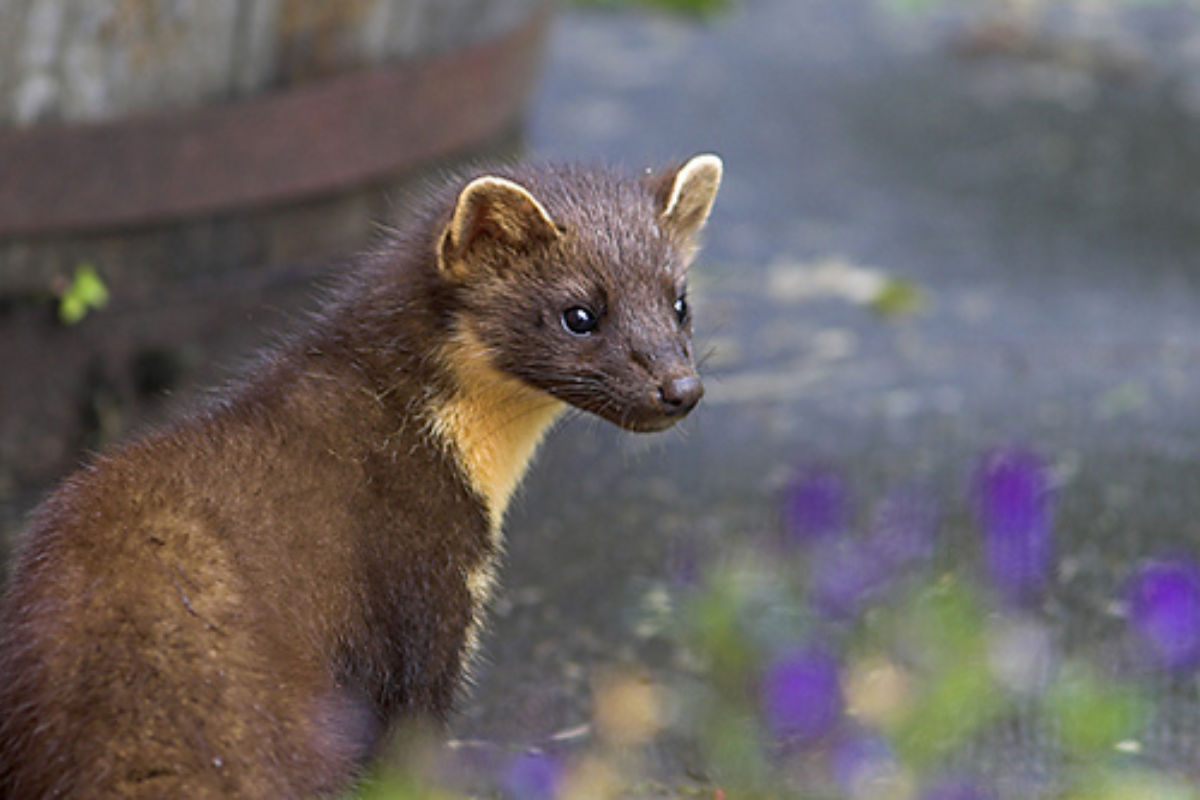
<point x="957" y="788"/>
<point x="1164" y="610"/>
<point x="815" y="505"/>
<point x="684" y="564"/>
<point x="858" y="760"/>
<point x="848" y="572"/>
<point x="843" y="576"/>
<point x="905" y="526"/>
<point x="534" y="776"/>
<point x="801" y="695"/>
<point x="1013" y="503"/>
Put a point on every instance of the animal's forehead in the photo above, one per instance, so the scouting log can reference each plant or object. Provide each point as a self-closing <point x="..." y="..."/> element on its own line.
<point x="611" y="223"/>
<point x="623" y="250"/>
<point x="572" y="193"/>
<point x="621" y="233"/>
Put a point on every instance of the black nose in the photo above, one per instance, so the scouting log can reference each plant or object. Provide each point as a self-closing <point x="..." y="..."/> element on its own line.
<point x="680" y="395"/>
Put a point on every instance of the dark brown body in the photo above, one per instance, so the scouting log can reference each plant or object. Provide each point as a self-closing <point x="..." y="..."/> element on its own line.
<point x="244" y="604"/>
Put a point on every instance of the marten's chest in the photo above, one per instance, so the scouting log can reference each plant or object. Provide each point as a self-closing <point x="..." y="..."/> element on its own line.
<point x="492" y="424"/>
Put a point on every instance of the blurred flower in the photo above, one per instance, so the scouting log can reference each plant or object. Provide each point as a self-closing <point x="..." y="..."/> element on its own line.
<point x="1012" y="499"/>
<point x="1020" y="654"/>
<point x="628" y="708"/>
<point x="534" y="776"/>
<point x="684" y="566"/>
<point x="848" y="572"/>
<point x="815" y="505"/>
<point x="905" y="526"/>
<point x="593" y="778"/>
<point x="1164" y="610"/>
<point x="801" y="695"/>
<point x="844" y="575"/>
<point x="958" y="788"/>
<point x="879" y="693"/>
<point x="861" y="763"/>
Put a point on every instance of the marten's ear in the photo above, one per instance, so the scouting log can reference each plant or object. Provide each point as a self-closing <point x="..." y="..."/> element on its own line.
<point x="492" y="212"/>
<point x="686" y="198"/>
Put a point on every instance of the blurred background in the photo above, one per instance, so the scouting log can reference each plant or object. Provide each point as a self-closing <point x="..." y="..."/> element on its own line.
<point x="951" y="309"/>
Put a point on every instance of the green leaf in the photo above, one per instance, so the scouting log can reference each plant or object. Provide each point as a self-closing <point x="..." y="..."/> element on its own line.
<point x="956" y="704"/>
<point x="724" y="620"/>
<point x="735" y="751"/>
<point x="695" y="8"/>
<point x="1127" y="398"/>
<point x="1093" y="714"/>
<point x="944" y="627"/>
<point x="898" y="298"/>
<point x="85" y="293"/>
<point x="945" y="622"/>
<point x="1106" y="783"/>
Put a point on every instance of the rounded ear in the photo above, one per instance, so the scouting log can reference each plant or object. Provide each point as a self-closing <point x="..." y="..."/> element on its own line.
<point x="493" y="213"/>
<point x="689" y="199"/>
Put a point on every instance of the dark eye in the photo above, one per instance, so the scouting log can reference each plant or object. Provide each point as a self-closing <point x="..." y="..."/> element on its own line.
<point x="682" y="311"/>
<point x="579" y="320"/>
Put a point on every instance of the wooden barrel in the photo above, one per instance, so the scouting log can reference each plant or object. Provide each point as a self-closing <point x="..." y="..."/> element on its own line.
<point x="207" y="157"/>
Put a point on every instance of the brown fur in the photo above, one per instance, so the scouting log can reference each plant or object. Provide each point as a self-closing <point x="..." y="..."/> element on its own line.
<point x="244" y="603"/>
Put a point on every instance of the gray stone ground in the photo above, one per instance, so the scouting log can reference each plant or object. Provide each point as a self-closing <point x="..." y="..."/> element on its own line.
<point x="1048" y="206"/>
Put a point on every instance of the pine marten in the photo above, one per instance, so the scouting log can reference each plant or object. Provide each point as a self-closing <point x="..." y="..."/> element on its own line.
<point x="245" y="603"/>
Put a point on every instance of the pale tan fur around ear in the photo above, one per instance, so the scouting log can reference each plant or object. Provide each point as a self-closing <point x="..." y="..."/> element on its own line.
<point x="692" y="195"/>
<point x="494" y="210"/>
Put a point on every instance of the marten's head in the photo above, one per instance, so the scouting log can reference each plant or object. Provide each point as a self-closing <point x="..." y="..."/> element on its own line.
<point x="575" y="282"/>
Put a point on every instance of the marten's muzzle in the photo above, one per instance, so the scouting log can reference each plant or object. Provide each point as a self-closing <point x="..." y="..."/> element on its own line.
<point x="679" y="395"/>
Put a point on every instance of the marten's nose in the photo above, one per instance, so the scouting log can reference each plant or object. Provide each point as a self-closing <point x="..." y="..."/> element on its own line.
<point x="680" y="395"/>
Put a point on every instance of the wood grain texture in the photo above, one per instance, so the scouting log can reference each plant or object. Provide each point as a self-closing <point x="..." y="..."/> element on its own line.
<point x="69" y="61"/>
<point x="309" y="140"/>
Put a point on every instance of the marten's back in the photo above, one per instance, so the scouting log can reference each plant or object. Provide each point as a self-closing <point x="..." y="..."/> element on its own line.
<point x="244" y="603"/>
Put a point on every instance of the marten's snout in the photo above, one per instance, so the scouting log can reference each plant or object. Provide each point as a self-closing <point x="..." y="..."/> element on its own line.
<point x="680" y="395"/>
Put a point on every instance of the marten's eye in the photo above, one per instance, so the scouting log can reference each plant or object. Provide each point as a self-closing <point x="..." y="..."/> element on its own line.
<point x="682" y="310"/>
<point x="579" y="320"/>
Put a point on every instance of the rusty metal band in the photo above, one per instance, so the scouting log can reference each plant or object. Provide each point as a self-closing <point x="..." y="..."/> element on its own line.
<point x="304" y="142"/>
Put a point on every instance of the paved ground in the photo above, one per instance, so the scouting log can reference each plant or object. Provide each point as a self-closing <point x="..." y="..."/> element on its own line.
<point x="1047" y="207"/>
